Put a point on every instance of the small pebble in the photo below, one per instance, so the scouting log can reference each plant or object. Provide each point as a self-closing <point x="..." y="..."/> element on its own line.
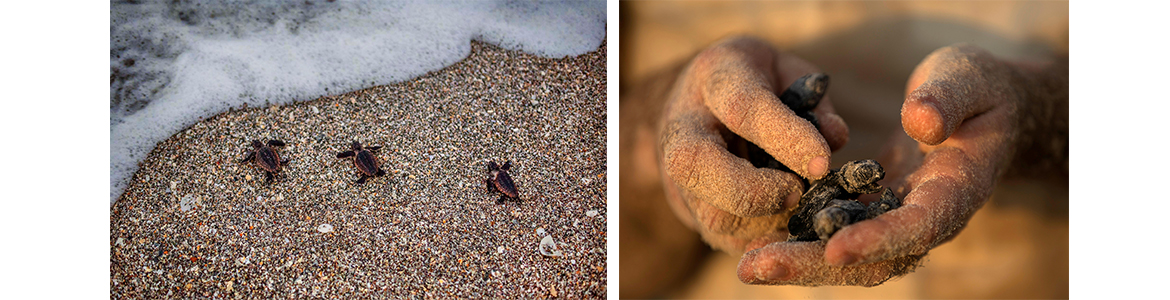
<point x="540" y="232"/>
<point x="187" y="203"/>
<point x="325" y="228"/>
<point x="592" y="213"/>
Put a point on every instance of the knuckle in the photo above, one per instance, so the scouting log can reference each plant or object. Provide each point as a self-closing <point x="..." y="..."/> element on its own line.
<point x="717" y="221"/>
<point x="679" y="163"/>
<point x="709" y="57"/>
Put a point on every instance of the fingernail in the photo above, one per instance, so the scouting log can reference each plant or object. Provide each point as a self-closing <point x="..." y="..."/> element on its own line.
<point x="776" y="273"/>
<point x="925" y="121"/>
<point x="930" y="111"/>
<point x="848" y="259"/>
<point x="792" y="200"/>
<point x="818" y="166"/>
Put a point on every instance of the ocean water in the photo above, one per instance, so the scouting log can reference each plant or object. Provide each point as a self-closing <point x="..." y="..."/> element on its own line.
<point x="173" y="63"/>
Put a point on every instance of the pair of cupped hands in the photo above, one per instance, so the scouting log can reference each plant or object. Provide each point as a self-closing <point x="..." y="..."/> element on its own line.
<point x="960" y="113"/>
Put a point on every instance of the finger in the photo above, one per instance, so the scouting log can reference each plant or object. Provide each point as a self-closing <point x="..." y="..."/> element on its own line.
<point x="955" y="179"/>
<point x="733" y="233"/>
<point x="801" y="263"/>
<point x="775" y="237"/>
<point x="913" y="228"/>
<point x="789" y="68"/>
<point x="833" y="127"/>
<point x="941" y="92"/>
<point x="696" y="159"/>
<point x="714" y="225"/>
<point x="738" y="87"/>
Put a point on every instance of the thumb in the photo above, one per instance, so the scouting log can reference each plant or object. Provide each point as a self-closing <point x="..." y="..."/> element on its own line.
<point x="951" y="85"/>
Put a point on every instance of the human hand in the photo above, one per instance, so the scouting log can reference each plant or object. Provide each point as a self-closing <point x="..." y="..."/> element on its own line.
<point x="725" y="98"/>
<point x="963" y="112"/>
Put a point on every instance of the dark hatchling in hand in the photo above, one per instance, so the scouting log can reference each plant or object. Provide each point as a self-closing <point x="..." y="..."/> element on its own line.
<point x="804" y="95"/>
<point x="266" y="158"/>
<point x="830" y="203"/>
<point x="499" y="180"/>
<point x="364" y="160"/>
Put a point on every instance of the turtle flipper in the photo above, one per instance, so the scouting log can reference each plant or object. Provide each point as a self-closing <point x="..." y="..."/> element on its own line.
<point x="373" y="148"/>
<point x="380" y="172"/>
<point x="500" y="200"/>
<point x="363" y="179"/>
<point x="285" y="162"/>
<point x="250" y="157"/>
<point x="269" y="175"/>
<point x="345" y="154"/>
<point x="488" y="183"/>
<point x="276" y="143"/>
<point x="507" y="166"/>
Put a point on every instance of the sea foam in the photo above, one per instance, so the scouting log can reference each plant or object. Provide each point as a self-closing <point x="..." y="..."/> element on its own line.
<point x="173" y="63"/>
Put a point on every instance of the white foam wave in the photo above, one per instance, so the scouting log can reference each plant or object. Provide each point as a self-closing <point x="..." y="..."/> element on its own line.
<point x="175" y="63"/>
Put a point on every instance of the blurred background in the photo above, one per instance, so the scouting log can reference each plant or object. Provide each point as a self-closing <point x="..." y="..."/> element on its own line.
<point x="1016" y="246"/>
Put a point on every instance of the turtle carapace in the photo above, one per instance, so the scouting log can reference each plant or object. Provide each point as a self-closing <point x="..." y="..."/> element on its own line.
<point x="499" y="180"/>
<point x="364" y="160"/>
<point x="266" y="157"/>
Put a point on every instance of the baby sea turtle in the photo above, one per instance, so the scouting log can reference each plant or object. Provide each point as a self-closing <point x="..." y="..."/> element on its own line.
<point x="831" y="203"/>
<point x="266" y="157"/>
<point x="364" y="160"/>
<point x="499" y="180"/>
<point x="804" y="95"/>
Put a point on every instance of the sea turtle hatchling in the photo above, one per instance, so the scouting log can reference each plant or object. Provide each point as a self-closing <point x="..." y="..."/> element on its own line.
<point x="364" y="160"/>
<point x="266" y="158"/>
<point x="831" y="203"/>
<point x="499" y="180"/>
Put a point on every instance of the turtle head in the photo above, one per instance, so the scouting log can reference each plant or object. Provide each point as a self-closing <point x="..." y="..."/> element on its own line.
<point x="257" y="144"/>
<point x="861" y="173"/>
<point x="357" y="146"/>
<point x="492" y="166"/>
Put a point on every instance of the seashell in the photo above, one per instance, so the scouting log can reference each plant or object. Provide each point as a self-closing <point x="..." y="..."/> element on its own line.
<point x="549" y="248"/>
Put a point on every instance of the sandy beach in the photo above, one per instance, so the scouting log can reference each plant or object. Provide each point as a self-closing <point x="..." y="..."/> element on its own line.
<point x="194" y="222"/>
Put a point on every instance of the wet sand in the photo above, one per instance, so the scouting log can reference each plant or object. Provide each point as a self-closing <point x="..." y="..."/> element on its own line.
<point x="195" y="222"/>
